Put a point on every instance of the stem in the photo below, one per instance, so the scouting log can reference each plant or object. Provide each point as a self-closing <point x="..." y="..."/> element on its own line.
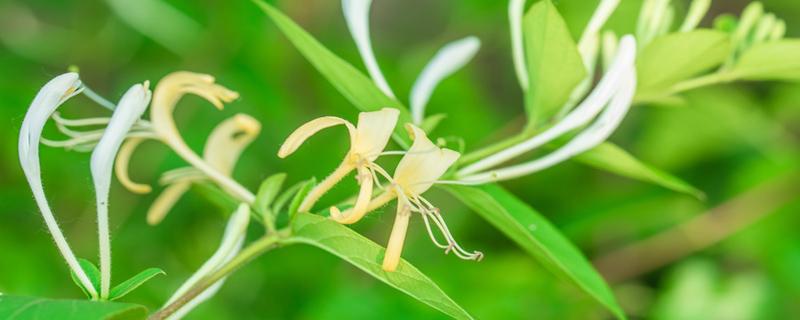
<point x="320" y="189"/>
<point x="702" y="81"/>
<point x="252" y="251"/>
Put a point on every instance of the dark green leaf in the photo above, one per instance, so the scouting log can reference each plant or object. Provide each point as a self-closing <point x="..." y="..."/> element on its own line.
<point x="366" y="255"/>
<point x="32" y="308"/>
<point x="349" y="81"/>
<point x="678" y="56"/>
<point x="299" y="196"/>
<point x="134" y="282"/>
<point x="778" y="60"/>
<point x="610" y="157"/>
<point x="554" y="64"/>
<point x="538" y="237"/>
<point x="269" y="191"/>
<point x="92" y="272"/>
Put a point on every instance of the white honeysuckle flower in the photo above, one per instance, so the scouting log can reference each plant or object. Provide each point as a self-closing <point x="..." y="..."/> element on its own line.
<point x="367" y="140"/>
<point x="779" y="31"/>
<point x="166" y="96"/>
<point x="128" y="111"/>
<point x="614" y="93"/>
<point x="222" y="150"/>
<point x="356" y="13"/>
<point x="447" y="61"/>
<point x="49" y="98"/>
<point x="229" y="247"/>
<point x="609" y="48"/>
<point x="516" y="9"/>
<point x="697" y="11"/>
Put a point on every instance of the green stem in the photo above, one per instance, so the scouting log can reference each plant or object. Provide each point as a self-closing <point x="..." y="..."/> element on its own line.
<point x="701" y="81"/>
<point x="249" y="253"/>
<point x="494" y="148"/>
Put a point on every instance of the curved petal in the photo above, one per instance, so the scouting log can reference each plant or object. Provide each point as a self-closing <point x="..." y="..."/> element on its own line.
<point x="121" y="166"/>
<point x="423" y="164"/>
<point x="296" y="139"/>
<point x="359" y="210"/>
<point x="49" y="98"/>
<point x="581" y="115"/>
<point x="228" y="140"/>
<point x="373" y="132"/>
<point x="165" y="201"/>
<point x="447" y="61"/>
<point x="356" y="13"/>
<point x="516" y="9"/>
<point x="128" y="111"/>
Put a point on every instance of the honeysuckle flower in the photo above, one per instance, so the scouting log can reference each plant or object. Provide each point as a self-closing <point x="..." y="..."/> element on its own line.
<point x="222" y="150"/>
<point x="128" y="111"/>
<point x="166" y="96"/>
<point x="421" y="166"/>
<point x="612" y="95"/>
<point x="229" y="247"/>
<point x="50" y="97"/>
<point x="367" y="140"/>
<point x="447" y="60"/>
<point x="697" y="10"/>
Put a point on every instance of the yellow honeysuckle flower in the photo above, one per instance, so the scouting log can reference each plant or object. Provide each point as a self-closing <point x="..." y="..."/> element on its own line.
<point x="367" y="140"/>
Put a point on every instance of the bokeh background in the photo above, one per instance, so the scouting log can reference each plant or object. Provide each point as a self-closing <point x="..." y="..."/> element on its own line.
<point x="738" y="143"/>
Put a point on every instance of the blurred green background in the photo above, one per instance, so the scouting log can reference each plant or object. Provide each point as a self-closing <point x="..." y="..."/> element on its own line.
<point x="727" y="140"/>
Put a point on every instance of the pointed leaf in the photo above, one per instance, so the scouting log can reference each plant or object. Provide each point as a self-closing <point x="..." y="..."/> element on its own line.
<point x="299" y="196"/>
<point x="134" y="282"/>
<point x="349" y="81"/>
<point x="776" y="60"/>
<point x="366" y="255"/>
<point x="554" y="64"/>
<point x="538" y="237"/>
<point x="34" y="308"/>
<point x="268" y="191"/>
<point x="678" y="56"/>
<point x="610" y="157"/>
<point x="92" y="272"/>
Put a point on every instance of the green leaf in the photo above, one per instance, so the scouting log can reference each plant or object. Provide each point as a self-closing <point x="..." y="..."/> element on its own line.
<point x="349" y="81"/>
<point x="94" y="277"/>
<point x="299" y="196"/>
<point x="134" y="282"/>
<point x="554" y="64"/>
<point x="678" y="56"/>
<point x="33" y="308"/>
<point x="610" y="157"/>
<point x="538" y="237"/>
<point x="777" y="60"/>
<point x="366" y="255"/>
<point x="430" y="123"/>
<point x="268" y="191"/>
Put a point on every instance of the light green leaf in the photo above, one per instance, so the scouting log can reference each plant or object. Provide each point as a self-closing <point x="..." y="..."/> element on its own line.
<point x="134" y="282"/>
<point x="778" y="60"/>
<point x="33" y="308"/>
<point x="610" y="157"/>
<point x="349" y="81"/>
<point x="366" y="255"/>
<point x="538" y="237"/>
<point x="268" y="191"/>
<point x="92" y="273"/>
<point x="678" y="56"/>
<point x="299" y="196"/>
<point x="554" y="64"/>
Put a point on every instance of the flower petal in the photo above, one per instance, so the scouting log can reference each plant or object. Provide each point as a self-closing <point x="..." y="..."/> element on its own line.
<point x="296" y="139"/>
<point x="394" y="249"/>
<point x="516" y="10"/>
<point x="228" y="140"/>
<point x="121" y="166"/>
<point x="165" y="201"/>
<point x="423" y="164"/>
<point x="128" y="111"/>
<point x="356" y="12"/>
<point x="447" y="61"/>
<point x="373" y="132"/>
<point x="49" y="98"/>
<point x="362" y="201"/>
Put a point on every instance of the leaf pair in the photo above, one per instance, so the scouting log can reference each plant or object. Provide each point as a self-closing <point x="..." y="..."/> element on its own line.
<point x="121" y="289"/>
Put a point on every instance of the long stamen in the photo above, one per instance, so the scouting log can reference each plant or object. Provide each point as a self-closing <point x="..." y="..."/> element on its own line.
<point x="453" y="245"/>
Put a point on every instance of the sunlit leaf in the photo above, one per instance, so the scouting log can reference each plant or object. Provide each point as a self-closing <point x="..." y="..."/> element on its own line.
<point x="678" y="56"/>
<point x="134" y="282"/>
<point x="554" y="64"/>
<point x="33" y="308"/>
<point x="778" y="60"/>
<point x="610" y="157"/>
<point x="366" y="255"/>
<point x="538" y="237"/>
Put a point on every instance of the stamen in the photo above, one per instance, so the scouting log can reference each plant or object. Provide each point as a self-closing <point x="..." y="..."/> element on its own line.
<point x="97" y="98"/>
